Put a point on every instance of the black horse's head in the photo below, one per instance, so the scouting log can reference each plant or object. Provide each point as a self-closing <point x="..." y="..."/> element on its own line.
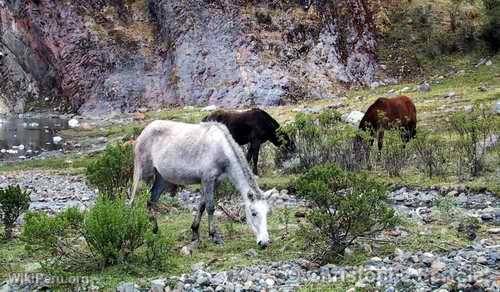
<point x="284" y="142"/>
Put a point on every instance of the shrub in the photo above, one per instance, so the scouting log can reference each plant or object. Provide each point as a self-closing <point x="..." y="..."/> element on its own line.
<point x="13" y="202"/>
<point x="473" y="132"/>
<point x="321" y="139"/>
<point x="43" y="233"/>
<point x="345" y="206"/>
<point x="446" y="208"/>
<point x="113" y="230"/>
<point x="263" y="18"/>
<point x="226" y="194"/>
<point x="394" y="154"/>
<point x="157" y="250"/>
<point x="112" y="171"/>
<point x="431" y="153"/>
<point x="491" y="28"/>
<point x="132" y="133"/>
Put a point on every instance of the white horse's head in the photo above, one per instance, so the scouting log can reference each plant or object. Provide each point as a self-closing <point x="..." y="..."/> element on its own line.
<point x="256" y="213"/>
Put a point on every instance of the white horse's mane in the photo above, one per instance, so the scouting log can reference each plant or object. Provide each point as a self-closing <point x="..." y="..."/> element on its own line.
<point x="240" y="158"/>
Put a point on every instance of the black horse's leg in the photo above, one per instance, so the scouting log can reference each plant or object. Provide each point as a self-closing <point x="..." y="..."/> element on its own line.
<point x="156" y="190"/>
<point x="249" y="153"/>
<point x="255" y="155"/>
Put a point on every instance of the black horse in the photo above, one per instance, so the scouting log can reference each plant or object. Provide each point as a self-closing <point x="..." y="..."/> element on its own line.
<point x="254" y="126"/>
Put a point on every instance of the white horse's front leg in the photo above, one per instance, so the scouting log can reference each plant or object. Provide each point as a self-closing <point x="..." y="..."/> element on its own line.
<point x="208" y="190"/>
<point x="195" y="227"/>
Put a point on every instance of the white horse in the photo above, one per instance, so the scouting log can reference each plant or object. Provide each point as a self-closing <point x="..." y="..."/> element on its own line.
<point x="174" y="153"/>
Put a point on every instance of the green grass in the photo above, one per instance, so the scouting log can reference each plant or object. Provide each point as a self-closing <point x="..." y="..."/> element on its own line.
<point x="72" y="163"/>
<point x="238" y="239"/>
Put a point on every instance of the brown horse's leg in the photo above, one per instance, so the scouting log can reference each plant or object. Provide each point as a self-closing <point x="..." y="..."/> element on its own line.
<point x="380" y="140"/>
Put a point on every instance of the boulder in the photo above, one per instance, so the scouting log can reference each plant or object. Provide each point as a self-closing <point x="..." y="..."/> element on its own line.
<point x="209" y="108"/>
<point x="73" y="123"/>
<point x="424" y="87"/>
<point x="354" y="117"/>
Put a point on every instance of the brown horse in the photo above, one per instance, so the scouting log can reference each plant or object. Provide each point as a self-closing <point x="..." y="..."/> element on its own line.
<point x="387" y="113"/>
<point x="254" y="126"/>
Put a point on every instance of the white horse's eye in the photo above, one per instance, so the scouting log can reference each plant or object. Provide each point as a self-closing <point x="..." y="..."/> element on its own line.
<point x="254" y="214"/>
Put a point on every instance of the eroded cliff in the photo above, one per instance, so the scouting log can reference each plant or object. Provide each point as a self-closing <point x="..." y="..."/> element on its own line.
<point x="111" y="55"/>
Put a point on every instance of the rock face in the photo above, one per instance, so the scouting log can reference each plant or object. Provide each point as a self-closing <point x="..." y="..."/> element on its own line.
<point x="98" y="56"/>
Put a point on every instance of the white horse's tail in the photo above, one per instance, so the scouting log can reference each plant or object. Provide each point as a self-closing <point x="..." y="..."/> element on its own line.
<point x="136" y="181"/>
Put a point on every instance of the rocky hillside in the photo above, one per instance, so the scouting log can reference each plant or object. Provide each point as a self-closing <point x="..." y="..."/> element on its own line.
<point x="108" y="55"/>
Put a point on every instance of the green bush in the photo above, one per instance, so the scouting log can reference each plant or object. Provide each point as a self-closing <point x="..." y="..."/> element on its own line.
<point x="157" y="248"/>
<point x="13" y="202"/>
<point x="491" y="27"/>
<point x="321" y="138"/>
<point x="394" y="154"/>
<point x="112" y="171"/>
<point x="447" y="209"/>
<point x="113" y="230"/>
<point x="473" y="131"/>
<point x="42" y="232"/>
<point x="415" y="32"/>
<point x="345" y="206"/>
<point x="431" y="153"/>
<point x="132" y="133"/>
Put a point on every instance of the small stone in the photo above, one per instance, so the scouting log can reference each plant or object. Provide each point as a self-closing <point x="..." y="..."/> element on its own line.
<point x="142" y="109"/>
<point x="482" y="260"/>
<point x="487" y="216"/>
<point x="413" y="273"/>
<point x="198" y="266"/>
<point x="139" y="116"/>
<point x="450" y="94"/>
<point x="127" y="287"/>
<point x="56" y="139"/>
<point x="427" y="258"/>
<point x="375" y="85"/>
<point x="437" y="266"/>
<point x="494" y="230"/>
<point x="251" y="253"/>
<point x="157" y="285"/>
<point x="102" y="140"/>
<point x="269" y="282"/>
<point x="452" y="193"/>
<point x="73" y="123"/>
<point x="209" y="108"/>
<point x="424" y="87"/>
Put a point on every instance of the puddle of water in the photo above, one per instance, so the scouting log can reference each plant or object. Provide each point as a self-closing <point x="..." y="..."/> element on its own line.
<point x="23" y="138"/>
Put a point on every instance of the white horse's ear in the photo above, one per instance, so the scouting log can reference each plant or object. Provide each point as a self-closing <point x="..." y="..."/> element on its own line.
<point x="268" y="193"/>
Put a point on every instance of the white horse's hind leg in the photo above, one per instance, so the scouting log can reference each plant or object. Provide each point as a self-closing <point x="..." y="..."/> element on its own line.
<point x="157" y="189"/>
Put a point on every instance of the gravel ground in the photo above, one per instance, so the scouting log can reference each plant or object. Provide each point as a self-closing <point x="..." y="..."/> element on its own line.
<point x="474" y="267"/>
